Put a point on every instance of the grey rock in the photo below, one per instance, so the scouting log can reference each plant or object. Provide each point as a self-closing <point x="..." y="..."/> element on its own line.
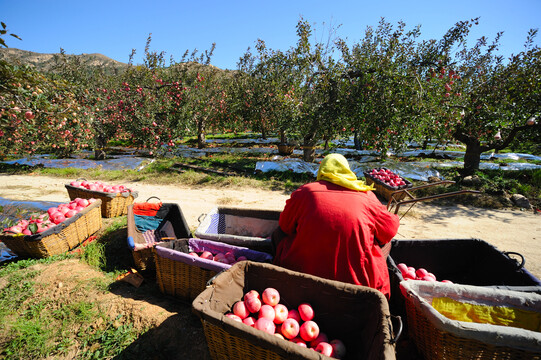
<point x="521" y="201"/>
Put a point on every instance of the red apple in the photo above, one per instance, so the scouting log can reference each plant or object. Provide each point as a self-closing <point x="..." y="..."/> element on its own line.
<point x="58" y="218"/>
<point x="277" y="334"/>
<point x="306" y="312"/>
<point x="309" y="330"/>
<point x="29" y="115"/>
<point x="70" y="213"/>
<point x="290" y="328"/>
<point x="421" y="272"/>
<point x="270" y="296"/>
<point x="83" y="202"/>
<point x="267" y="311"/>
<point x="242" y="258"/>
<point x="265" y="325"/>
<point x="324" y="348"/>
<point x="250" y="321"/>
<point x="193" y="254"/>
<point x="339" y="349"/>
<point x="447" y="281"/>
<point x="251" y="293"/>
<point x="294" y="314"/>
<point x="403" y="268"/>
<point x="530" y="121"/>
<point x="321" y="337"/>
<point x="299" y="342"/>
<point x="280" y="311"/>
<point x="234" y="317"/>
<point x="239" y="309"/>
<point x="253" y="304"/>
<point x="206" y="255"/>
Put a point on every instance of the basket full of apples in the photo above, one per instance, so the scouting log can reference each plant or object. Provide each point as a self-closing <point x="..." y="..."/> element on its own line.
<point x="387" y="182"/>
<point x="114" y="198"/>
<point x="184" y="266"/>
<point x="57" y="231"/>
<point x="262" y="311"/>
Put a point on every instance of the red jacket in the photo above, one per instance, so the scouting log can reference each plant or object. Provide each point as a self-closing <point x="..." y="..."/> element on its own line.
<point x="330" y="233"/>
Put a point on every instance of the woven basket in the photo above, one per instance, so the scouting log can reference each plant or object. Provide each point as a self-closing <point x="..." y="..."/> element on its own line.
<point x="386" y="190"/>
<point x="144" y="256"/>
<point x="438" y="337"/>
<point x="357" y="315"/>
<point x="251" y="228"/>
<point x="184" y="276"/>
<point x="112" y="204"/>
<point x="60" y="238"/>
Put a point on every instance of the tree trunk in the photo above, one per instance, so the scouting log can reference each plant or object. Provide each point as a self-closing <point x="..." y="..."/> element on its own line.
<point x="472" y="157"/>
<point x="356" y="140"/>
<point x="99" y="150"/>
<point x="283" y="137"/>
<point x="309" y="148"/>
<point x="201" y="142"/>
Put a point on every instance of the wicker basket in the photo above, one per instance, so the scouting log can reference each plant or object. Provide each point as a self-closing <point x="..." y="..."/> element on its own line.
<point x="462" y="261"/>
<point x="251" y="228"/>
<point x="185" y="276"/>
<point x="142" y="251"/>
<point x="60" y="238"/>
<point x="439" y="337"/>
<point x="357" y="315"/>
<point x="112" y="204"/>
<point x="386" y="190"/>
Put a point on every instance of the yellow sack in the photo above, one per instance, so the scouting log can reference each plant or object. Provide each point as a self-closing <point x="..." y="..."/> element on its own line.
<point x="487" y="314"/>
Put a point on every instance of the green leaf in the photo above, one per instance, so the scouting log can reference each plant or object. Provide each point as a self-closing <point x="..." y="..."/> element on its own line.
<point x="33" y="228"/>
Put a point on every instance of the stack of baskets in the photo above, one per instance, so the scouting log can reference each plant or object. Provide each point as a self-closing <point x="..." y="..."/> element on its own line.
<point x="112" y="204"/>
<point x="59" y="239"/>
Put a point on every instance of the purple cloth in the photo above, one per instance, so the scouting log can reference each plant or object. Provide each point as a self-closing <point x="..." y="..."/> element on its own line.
<point x="199" y="245"/>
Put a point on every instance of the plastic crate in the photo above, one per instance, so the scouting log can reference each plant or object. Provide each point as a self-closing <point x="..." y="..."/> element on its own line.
<point x="251" y="228"/>
<point x="185" y="276"/>
<point x="460" y="328"/>
<point x="59" y="239"/>
<point x="462" y="261"/>
<point x="357" y="315"/>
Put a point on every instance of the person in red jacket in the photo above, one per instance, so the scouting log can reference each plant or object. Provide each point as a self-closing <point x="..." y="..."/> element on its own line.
<point x="334" y="227"/>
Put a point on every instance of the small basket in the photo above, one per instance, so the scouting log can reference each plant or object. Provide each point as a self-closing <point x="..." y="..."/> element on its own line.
<point x="185" y="276"/>
<point x="357" y="315"/>
<point x="112" y="204"/>
<point x="440" y="337"/>
<point x="386" y="190"/>
<point x="59" y="239"/>
<point x="251" y="228"/>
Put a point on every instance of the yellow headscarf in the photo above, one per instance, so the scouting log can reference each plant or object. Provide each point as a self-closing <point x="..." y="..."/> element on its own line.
<point x="335" y="168"/>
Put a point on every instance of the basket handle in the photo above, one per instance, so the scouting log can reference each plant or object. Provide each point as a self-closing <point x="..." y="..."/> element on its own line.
<point x="153" y="197"/>
<point x="201" y="216"/>
<point x="125" y="192"/>
<point x="394" y="340"/>
<point x="520" y="264"/>
<point x="80" y="179"/>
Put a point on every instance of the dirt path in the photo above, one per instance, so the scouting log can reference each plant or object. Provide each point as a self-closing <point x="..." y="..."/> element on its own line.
<point x="508" y="230"/>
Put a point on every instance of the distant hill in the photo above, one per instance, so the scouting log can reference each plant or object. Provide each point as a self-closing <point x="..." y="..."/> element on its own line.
<point x="46" y="62"/>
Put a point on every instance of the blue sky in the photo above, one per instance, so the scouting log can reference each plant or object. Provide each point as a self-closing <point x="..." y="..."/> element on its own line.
<point x="115" y="27"/>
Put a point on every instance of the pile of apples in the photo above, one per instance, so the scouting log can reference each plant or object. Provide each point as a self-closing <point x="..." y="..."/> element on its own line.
<point x="387" y="177"/>
<point x="99" y="186"/>
<point x="410" y="273"/>
<point x="227" y="258"/>
<point x="297" y="325"/>
<point x="53" y="216"/>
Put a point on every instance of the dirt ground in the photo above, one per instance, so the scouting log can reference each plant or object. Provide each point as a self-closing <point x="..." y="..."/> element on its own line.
<point x="508" y="230"/>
